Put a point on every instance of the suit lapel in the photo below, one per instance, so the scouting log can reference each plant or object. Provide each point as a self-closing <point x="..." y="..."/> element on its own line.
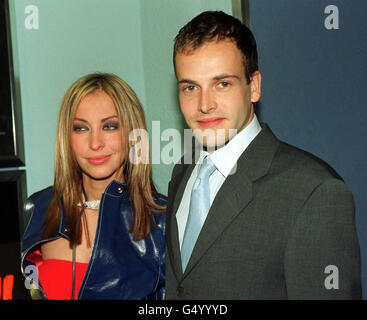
<point x="228" y="203"/>
<point x="235" y="193"/>
<point x="175" y="192"/>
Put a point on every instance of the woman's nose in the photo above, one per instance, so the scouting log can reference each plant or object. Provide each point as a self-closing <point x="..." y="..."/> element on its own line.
<point x="96" y="140"/>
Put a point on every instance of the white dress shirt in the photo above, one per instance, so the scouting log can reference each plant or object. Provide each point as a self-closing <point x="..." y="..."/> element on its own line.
<point x="225" y="160"/>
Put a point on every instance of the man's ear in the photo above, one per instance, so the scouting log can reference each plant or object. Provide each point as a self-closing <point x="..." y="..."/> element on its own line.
<point x="255" y="86"/>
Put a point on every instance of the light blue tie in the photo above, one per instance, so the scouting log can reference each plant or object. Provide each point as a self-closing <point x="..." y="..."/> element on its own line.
<point x="199" y="208"/>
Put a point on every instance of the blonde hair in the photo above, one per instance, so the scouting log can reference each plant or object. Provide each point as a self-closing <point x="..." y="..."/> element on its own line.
<point x="67" y="186"/>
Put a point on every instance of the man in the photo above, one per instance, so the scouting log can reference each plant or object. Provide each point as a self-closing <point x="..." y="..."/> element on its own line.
<point x="253" y="218"/>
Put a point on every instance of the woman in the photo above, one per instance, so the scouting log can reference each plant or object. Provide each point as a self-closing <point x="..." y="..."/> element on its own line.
<point x="99" y="232"/>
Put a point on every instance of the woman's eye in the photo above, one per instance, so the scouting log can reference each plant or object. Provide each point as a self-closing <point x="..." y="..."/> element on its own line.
<point x="79" y="128"/>
<point x="111" y="126"/>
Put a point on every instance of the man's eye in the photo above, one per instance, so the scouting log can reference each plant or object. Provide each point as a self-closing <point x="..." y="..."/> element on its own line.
<point x="111" y="126"/>
<point x="189" y="88"/>
<point x="79" y="128"/>
<point x="224" y="84"/>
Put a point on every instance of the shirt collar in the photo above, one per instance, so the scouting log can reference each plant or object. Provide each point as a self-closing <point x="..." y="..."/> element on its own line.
<point x="225" y="158"/>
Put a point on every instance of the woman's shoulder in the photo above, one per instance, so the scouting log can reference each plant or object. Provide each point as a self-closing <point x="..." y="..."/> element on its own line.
<point x="160" y="217"/>
<point x="38" y="199"/>
<point x="35" y="207"/>
<point x="43" y="194"/>
<point x="160" y="199"/>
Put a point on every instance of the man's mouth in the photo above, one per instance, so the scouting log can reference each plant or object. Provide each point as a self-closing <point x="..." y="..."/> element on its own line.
<point x="210" y="122"/>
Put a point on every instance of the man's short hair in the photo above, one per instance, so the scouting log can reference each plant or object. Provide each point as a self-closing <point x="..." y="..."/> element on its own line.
<point x="216" y="26"/>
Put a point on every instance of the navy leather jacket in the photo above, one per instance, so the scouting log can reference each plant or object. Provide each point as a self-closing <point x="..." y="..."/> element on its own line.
<point x="119" y="268"/>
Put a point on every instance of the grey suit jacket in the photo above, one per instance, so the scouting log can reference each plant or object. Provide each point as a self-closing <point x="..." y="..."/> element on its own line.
<point x="281" y="227"/>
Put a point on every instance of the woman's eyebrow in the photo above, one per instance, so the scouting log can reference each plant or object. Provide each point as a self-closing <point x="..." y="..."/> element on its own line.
<point x="80" y="119"/>
<point x="103" y="120"/>
<point x="108" y="118"/>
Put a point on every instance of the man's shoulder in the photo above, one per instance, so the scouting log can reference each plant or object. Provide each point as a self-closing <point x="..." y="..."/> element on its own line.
<point x="294" y="159"/>
<point x="297" y="174"/>
<point x="291" y="158"/>
<point x="289" y="165"/>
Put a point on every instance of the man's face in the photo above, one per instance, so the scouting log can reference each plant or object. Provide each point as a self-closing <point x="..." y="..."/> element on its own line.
<point x="213" y="92"/>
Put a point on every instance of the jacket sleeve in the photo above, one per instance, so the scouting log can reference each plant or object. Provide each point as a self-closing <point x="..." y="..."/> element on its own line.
<point x="160" y="218"/>
<point x="322" y="258"/>
<point x="161" y="290"/>
<point x="162" y="274"/>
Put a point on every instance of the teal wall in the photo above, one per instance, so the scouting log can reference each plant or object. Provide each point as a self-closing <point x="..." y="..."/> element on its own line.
<point x="160" y="22"/>
<point x="130" y="38"/>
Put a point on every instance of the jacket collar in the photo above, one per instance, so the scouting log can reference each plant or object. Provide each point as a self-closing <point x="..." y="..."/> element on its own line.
<point x="253" y="164"/>
<point x="236" y="192"/>
<point x="115" y="189"/>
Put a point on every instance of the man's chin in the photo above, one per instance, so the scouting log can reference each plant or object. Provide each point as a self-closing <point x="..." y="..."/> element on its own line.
<point x="212" y="139"/>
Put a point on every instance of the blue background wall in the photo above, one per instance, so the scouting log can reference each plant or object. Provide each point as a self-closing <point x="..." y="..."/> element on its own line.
<point x="314" y="85"/>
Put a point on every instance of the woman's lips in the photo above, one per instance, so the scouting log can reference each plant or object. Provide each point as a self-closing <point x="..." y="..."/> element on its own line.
<point x="99" y="160"/>
<point x="210" y="122"/>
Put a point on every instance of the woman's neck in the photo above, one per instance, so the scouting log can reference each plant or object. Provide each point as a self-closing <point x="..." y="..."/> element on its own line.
<point x="95" y="188"/>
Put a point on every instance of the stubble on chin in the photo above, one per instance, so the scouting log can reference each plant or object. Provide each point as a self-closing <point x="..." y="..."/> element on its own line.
<point x="213" y="139"/>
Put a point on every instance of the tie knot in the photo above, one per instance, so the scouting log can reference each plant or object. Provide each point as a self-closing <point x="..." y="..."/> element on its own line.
<point x="206" y="169"/>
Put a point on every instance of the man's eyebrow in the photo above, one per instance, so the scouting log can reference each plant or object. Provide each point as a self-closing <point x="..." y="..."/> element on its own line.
<point x="216" y="78"/>
<point x="187" y="81"/>
<point x="225" y="76"/>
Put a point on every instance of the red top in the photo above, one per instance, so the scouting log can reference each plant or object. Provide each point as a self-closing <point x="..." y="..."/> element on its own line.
<point x="55" y="276"/>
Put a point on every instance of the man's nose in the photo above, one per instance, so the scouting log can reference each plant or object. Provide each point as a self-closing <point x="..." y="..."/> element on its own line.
<point x="207" y="101"/>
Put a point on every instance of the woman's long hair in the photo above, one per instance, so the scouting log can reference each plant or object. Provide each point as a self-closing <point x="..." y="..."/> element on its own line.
<point x="67" y="187"/>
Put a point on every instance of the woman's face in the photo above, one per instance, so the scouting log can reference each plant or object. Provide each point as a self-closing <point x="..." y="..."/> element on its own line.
<point x="97" y="137"/>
